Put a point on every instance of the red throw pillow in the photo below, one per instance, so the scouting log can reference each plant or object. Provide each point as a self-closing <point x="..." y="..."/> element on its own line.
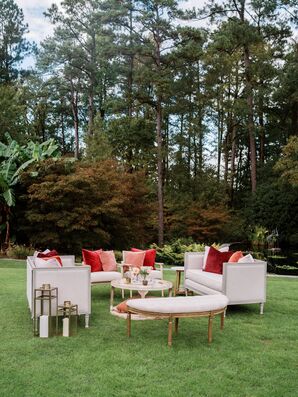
<point x="49" y="254"/>
<point x="236" y="256"/>
<point x="92" y="259"/>
<point x="150" y="256"/>
<point x="215" y="260"/>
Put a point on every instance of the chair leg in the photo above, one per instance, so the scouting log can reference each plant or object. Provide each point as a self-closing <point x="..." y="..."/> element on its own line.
<point x="261" y="308"/>
<point x="210" y="328"/>
<point x="170" y="331"/>
<point x="222" y="320"/>
<point x="122" y="293"/>
<point x="86" y="320"/>
<point x="176" y="325"/>
<point x="128" y="324"/>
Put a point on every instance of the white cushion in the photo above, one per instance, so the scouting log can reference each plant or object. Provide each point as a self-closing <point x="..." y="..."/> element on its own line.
<point x="104" y="277"/>
<point x="185" y="304"/>
<point x="210" y="280"/>
<point x="207" y="248"/>
<point x="246" y="259"/>
<point x="156" y="274"/>
<point x="42" y="263"/>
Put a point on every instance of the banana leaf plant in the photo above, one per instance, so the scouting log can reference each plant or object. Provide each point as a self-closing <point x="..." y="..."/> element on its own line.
<point x="14" y="159"/>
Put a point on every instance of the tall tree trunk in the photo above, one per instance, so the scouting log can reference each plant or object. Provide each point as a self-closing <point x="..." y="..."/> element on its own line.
<point x="63" y="132"/>
<point x="250" y="120"/>
<point x="226" y="155"/>
<point x="233" y="159"/>
<point x="131" y="61"/>
<point x="219" y="135"/>
<point x="261" y="127"/>
<point x="92" y="83"/>
<point x="294" y="114"/>
<point x="166" y="148"/>
<point x="250" y="107"/>
<point x="160" y="175"/>
<point x="159" y="137"/>
<point x="74" y="108"/>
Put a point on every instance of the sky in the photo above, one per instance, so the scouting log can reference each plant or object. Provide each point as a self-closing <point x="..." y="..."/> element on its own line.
<point x="40" y="27"/>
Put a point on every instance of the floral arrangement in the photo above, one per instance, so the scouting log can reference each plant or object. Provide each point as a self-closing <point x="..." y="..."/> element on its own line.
<point x="135" y="271"/>
<point x="144" y="273"/>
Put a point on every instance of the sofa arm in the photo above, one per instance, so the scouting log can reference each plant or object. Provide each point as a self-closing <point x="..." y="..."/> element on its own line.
<point x="245" y="282"/>
<point x="193" y="260"/>
<point x="159" y="266"/>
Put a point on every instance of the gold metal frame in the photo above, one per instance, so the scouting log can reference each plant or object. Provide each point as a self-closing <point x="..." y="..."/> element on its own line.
<point x="176" y="316"/>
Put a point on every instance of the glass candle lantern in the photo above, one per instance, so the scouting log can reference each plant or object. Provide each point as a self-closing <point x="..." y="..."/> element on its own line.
<point x="45" y="311"/>
<point x="69" y="313"/>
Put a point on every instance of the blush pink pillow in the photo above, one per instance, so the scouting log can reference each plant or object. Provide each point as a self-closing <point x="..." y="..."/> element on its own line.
<point x="134" y="258"/>
<point x="108" y="261"/>
<point x="150" y="256"/>
<point x="236" y="256"/>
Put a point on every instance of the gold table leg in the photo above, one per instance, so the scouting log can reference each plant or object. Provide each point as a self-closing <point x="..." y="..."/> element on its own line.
<point x="210" y="328"/>
<point x="112" y="298"/>
<point x="170" y="331"/>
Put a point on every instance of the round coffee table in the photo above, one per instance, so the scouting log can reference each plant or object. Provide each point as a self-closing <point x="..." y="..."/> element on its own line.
<point x="153" y="285"/>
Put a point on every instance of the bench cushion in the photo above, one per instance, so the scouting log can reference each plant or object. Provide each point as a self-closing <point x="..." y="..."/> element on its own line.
<point x="104" y="277"/>
<point x="183" y="304"/>
<point x="210" y="280"/>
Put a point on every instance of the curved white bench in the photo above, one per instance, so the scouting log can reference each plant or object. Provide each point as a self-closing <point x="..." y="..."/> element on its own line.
<point x="178" y="307"/>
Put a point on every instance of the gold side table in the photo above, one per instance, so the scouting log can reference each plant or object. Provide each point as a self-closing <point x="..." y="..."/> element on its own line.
<point x="43" y="298"/>
<point x="177" y="289"/>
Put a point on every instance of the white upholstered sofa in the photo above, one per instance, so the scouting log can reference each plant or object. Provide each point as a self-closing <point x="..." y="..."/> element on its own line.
<point x="73" y="283"/>
<point x="242" y="283"/>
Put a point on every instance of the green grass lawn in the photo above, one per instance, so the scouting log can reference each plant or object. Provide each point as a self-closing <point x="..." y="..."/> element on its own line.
<point x="253" y="356"/>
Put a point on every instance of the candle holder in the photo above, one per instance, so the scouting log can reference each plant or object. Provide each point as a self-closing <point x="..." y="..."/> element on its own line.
<point x="69" y="313"/>
<point x="45" y="302"/>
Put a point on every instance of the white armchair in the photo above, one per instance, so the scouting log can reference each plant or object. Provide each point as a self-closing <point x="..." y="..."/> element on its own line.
<point x="73" y="283"/>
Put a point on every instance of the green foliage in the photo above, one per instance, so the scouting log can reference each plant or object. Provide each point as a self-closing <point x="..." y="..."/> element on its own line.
<point x="258" y="235"/>
<point x="13" y="46"/>
<point x="19" y="251"/>
<point x="173" y="253"/>
<point x="14" y="159"/>
<point x="81" y="204"/>
<point x="287" y="165"/>
<point x="13" y="109"/>
<point x="274" y="205"/>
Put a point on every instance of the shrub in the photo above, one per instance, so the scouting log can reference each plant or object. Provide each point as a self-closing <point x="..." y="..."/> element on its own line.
<point x="94" y="205"/>
<point x="173" y="253"/>
<point x="19" y="251"/>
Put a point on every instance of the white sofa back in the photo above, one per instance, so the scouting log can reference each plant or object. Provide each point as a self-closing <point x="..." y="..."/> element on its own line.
<point x="73" y="282"/>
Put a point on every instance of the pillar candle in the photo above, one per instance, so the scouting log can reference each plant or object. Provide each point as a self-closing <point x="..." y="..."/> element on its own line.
<point x="65" y="322"/>
<point x="44" y="326"/>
